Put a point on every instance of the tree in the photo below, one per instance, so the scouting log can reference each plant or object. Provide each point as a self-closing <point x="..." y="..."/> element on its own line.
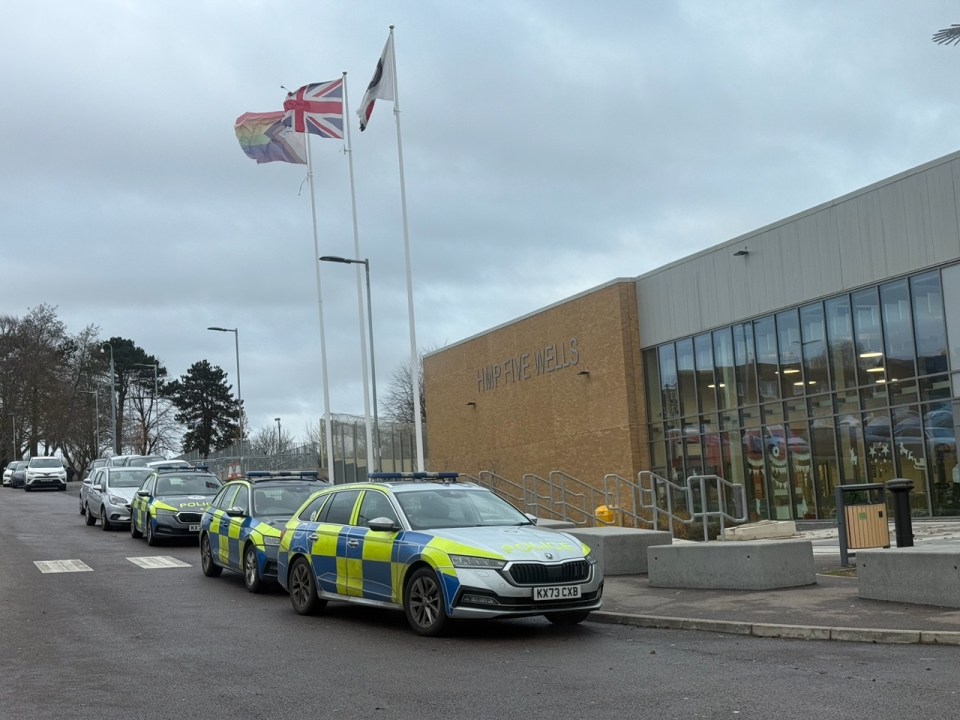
<point x="270" y="440"/>
<point x="397" y="403"/>
<point x="206" y="407"/>
<point x="133" y="378"/>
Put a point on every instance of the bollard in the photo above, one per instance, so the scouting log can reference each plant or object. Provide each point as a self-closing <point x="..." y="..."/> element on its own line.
<point x="902" y="520"/>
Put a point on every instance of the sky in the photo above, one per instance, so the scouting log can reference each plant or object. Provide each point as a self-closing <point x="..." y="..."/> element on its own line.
<point x="549" y="146"/>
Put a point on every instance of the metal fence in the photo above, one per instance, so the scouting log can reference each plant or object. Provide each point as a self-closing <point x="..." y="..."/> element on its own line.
<point x="397" y="453"/>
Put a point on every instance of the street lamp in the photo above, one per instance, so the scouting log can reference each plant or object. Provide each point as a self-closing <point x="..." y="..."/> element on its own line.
<point x="156" y="410"/>
<point x="278" y="434"/>
<point x="236" y="344"/>
<point x="113" y="400"/>
<point x="96" y="415"/>
<point x="373" y="367"/>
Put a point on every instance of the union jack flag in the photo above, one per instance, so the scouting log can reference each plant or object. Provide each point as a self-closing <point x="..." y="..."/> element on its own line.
<point x="317" y="109"/>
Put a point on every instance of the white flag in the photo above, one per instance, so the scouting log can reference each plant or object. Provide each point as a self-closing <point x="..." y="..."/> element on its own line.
<point x="380" y="87"/>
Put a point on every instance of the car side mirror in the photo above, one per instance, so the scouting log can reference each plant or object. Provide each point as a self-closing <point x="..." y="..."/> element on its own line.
<point x="531" y="518"/>
<point x="143" y="493"/>
<point x="382" y="524"/>
<point x="235" y="512"/>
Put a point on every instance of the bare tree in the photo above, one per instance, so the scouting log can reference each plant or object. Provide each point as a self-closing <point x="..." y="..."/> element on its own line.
<point x="397" y="402"/>
<point x="271" y="440"/>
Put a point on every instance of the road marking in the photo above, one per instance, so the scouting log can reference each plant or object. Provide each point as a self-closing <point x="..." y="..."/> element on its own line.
<point x="156" y="562"/>
<point x="62" y="566"/>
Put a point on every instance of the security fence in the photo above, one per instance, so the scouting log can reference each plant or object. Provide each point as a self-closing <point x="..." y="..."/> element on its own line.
<point x="397" y="446"/>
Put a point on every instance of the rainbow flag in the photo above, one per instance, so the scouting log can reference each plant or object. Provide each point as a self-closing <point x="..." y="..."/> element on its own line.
<point x="264" y="138"/>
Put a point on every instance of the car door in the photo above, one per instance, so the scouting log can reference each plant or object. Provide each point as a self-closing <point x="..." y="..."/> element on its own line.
<point x="86" y="485"/>
<point x="139" y="508"/>
<point x="219" y="527"/>
<point x="238" y="514"/>
<point x="329" y="543"/>
<point x="370" y="552"/>
<point x="95" y="494"/>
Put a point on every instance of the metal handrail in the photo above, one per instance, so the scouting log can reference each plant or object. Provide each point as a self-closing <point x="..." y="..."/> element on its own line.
<point x="502" y="486"/>
<point x="649" y="496"/>
<point x="613" y="487"/>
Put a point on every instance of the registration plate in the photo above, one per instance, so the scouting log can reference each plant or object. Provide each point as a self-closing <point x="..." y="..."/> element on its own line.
<point x="194" y="528"/>
<point x="557" y="592"/>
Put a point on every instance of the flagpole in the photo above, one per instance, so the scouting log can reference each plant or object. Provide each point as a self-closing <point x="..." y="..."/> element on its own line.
<point x="414" y="358"/>
<point x="348" y="149"/>
<point x="323" y="342"/>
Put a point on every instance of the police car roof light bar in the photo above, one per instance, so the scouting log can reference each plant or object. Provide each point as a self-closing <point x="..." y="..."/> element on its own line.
<point x="449" y="477"/>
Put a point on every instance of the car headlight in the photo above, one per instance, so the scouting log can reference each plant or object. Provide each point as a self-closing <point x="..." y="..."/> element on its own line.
<point x="271" y="541"/>
<point x="116" y="500"/>
<point x="590" y="558"/>
<point x="468" y="561"/>
<point x="162" y="511"/>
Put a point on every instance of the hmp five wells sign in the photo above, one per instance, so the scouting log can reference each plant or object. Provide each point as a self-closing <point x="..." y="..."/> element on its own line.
<point x="525" y="366"/>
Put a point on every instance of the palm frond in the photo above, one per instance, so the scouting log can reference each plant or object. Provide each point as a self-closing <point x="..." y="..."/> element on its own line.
<point x="947" y="36"/>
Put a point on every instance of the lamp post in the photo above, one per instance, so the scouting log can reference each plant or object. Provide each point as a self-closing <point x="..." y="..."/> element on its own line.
<point x="156" y="410"/>
<point x="113" y="400"/>
<point x="278" y="434"/>
<point x="375" y="456"/>
<point x="96" y="417"/>
<point x="236" y="344"/>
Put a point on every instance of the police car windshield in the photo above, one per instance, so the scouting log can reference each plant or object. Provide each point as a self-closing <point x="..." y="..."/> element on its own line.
<point x="451" y="508"/>
<point x="281" y="500"/>
<point x="128" y="477"/>
<point x="187" y="485"/>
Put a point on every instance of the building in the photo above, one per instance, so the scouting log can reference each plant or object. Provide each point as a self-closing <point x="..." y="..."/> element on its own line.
<point x="820" y="350"/>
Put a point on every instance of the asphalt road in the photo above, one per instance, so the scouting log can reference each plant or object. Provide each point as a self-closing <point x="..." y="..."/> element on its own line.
<point x="124" y="641"/>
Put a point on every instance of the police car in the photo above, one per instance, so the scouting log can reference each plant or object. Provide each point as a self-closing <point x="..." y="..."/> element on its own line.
<point x="170" y="503"/>
<point x="439" y="549"/>
<point x="241" y="528"/>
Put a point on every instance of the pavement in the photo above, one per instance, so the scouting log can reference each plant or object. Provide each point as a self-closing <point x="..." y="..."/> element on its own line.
<point x="829" y="610"/>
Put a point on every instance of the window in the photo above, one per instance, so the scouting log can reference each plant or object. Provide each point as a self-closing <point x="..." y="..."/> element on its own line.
<point x="309" y="513"/>
<point x="668" y="382"/>
<point x="868" y="337"/>
<point x="791" y="357"/>
<point x="375" y="505"/>
<point x="224" y="499"/>
<point x="843" y="363"/>
<point x="339" y="510"/>
<point x="813" y="339"/>
<point x="706" y="386"/>
<point x="898" y="331"/>
<point x="686" y="377"/>
<point x="930" y="330"/>
<point x="765" y="335"/>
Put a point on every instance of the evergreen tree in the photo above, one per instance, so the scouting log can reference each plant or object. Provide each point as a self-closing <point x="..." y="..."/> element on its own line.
<point x="206" y="406"/>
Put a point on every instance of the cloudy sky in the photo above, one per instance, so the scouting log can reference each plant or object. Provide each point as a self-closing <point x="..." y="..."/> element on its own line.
<point x="549" y="146"/>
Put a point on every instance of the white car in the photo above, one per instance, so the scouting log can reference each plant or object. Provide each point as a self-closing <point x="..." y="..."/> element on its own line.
<point x="7" y="472"/>
<point x="45" y="472"/>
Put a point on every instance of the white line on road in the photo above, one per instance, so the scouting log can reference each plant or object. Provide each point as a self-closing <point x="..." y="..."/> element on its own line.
<point x="156" y="562"/>
<point x="62" y="566"/>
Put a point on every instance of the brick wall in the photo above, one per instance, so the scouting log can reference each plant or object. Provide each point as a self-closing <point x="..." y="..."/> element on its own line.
<point x="557" y="390"/>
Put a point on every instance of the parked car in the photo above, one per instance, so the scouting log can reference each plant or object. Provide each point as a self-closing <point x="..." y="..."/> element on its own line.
<point x="99" y="462"/>
<point x="241" y="529"/>
<point x="8" y="471"/>
<point x="120" y="460"/>
<point x="45" y="472"/>
<point x="170" y="503"/>
<point x="143" y="460"/>
<point x="110" y="495"/>
<point x="438" y="550"/>
<point x="19" y="474"/>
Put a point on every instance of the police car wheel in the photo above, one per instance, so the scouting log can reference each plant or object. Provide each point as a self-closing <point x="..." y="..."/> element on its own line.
<point x="423" y="603"/>
<point x="104" y="523"/>
<point x="303" y="589"/>
<point x="574" y="617"/>
<point x="88" y="518"/>
<point x="149" y="534"/>
<point x="207" y="565"/>
<point x="251" y="572"/>
<point x="134" y="533"/>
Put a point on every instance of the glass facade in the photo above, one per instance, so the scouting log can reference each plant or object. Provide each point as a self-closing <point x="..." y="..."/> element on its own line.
<point x="858" y="388"/>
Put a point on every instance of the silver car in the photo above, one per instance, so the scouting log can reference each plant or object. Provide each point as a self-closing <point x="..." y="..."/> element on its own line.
<point x="109" y="494"/>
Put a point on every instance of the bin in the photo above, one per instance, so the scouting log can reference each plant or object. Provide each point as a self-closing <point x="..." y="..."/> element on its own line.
<point x="862" y="518"/>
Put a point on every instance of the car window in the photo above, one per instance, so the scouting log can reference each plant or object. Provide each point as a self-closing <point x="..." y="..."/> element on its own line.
<point x="150" y="484"/>
<point x="224" y="498"/>
<point x="242" y="500"/>
<point x="126" y="477"/>
<point x="173" y="484"/>
<point x="310" y="511"/>
<point x="281" y="499"/>
<point x="46" y="463"/>
<point x="340" y="508"/>
<point x="375" y="505"/>
<point x="447" y="508"/>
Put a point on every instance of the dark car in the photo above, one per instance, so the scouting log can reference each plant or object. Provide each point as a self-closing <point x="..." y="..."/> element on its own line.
<point x="170" y="503"/>
<point x="18" y="478"/>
